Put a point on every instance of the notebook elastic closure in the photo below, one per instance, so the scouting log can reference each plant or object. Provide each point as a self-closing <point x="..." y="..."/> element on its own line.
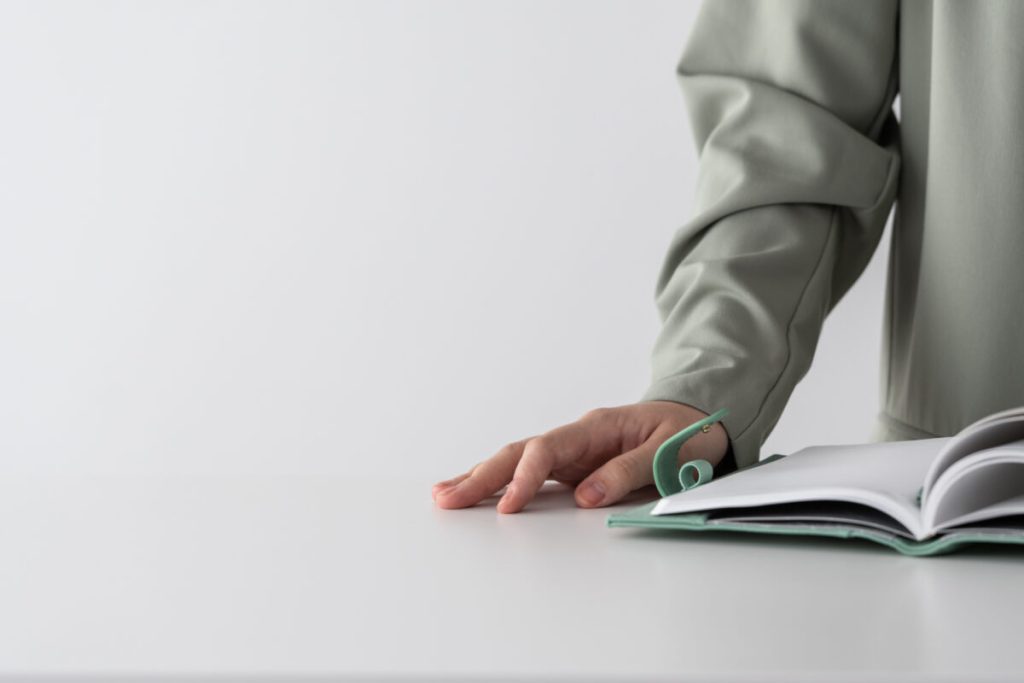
<point x="668" y="476"/>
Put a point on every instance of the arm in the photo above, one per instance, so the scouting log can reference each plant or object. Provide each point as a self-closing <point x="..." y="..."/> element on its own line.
<point x="790" y="103"/>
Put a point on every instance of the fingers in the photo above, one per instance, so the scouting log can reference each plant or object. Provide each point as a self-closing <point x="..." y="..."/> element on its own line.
<point x="447" y="484"/>
<point x="530" y="474"/>
<point x="541" y="455"/>
<point x="619" y="476"/>
<point x="480" y="482"/>
<point x="567" y="453"/>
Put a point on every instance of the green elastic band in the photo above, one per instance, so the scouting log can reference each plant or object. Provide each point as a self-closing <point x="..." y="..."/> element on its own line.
<point x="668" y="476"/>
<point x="695" y="473"/>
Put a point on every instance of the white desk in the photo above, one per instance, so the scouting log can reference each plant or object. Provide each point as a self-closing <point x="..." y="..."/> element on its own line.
<point x="347" y="579"/>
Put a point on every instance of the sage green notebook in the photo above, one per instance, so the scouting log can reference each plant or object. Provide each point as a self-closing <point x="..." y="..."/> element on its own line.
<point x="920" y="497"/>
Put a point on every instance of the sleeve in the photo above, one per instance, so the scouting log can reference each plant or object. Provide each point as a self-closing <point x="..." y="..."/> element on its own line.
<point x="790" y="102"/>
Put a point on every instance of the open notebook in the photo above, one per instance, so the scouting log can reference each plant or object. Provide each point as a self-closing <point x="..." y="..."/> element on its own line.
<point x="919" y="497"/>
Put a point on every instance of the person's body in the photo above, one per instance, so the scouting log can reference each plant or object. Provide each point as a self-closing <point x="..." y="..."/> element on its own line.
<point x="801" y="159"/>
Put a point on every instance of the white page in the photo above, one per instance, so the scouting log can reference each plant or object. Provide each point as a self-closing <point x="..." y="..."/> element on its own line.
<point x="974" y="484"/>
<point x="885" y="476"/>
<point x="988" y="432"/>
<point x="1005" y="508"/>
<point x="815" y="512"/>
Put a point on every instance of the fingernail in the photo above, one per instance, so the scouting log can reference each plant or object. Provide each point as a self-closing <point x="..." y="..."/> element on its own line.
<point x="450" y="488"/>
<point x="506" y="497"/>
<point x="592" y="493"/>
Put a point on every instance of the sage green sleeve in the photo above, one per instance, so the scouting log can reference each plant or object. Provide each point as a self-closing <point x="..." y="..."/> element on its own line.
<point x="790" y="103"/>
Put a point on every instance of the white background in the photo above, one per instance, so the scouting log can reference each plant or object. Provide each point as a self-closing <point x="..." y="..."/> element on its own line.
<point x="348" y="236"/>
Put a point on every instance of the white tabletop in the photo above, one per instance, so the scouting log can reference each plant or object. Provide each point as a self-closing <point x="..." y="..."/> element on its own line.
<point x="336" y="578"/>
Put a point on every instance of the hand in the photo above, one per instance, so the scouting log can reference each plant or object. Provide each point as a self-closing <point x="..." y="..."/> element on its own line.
<point x="608" y="452"/>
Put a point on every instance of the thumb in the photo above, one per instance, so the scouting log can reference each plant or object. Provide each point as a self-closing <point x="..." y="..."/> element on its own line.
<point x="617" y="477"/>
